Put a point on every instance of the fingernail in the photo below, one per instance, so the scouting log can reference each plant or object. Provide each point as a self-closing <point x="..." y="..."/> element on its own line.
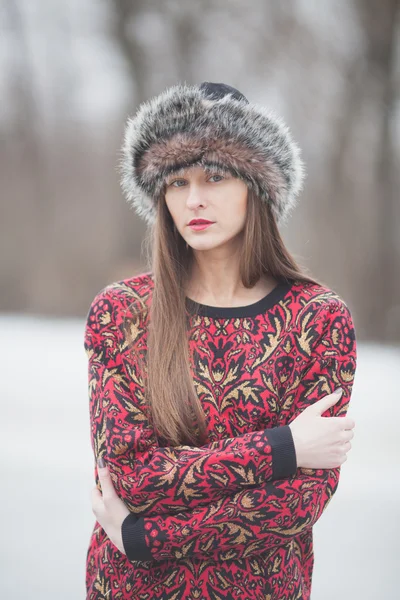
<point x="338" y="390"/>
<point x="101" y="462"/>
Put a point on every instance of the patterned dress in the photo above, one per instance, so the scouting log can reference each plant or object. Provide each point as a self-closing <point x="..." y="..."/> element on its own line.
<point x="233" y="518"/>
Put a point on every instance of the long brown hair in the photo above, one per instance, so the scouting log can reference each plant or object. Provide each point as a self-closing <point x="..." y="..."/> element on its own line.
<point x="175" y="409"/>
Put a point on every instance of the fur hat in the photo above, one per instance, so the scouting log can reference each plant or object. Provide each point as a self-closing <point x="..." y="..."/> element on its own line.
<point x="212" y="125"/>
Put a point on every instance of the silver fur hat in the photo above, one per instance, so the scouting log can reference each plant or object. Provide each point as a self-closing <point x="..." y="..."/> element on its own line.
<point x="215" y="126"/>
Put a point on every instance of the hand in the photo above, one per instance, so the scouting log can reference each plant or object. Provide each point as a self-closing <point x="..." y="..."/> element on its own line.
<point x="108" y="508"/>
<point x="321" y="442"/>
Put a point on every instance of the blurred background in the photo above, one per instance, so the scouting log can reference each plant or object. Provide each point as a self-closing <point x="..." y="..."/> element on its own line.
<point x="70" y="74"/>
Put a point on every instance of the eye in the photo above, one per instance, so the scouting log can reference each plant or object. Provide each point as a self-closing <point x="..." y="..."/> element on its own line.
<point x="177" y="181"/>
<point x="217" y="175"/>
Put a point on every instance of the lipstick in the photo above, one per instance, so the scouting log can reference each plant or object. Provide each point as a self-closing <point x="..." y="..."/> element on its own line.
<point x="200" y="226"/>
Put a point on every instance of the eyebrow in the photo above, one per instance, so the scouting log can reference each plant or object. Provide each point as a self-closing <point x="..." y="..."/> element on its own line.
<point x="182" y="172"/>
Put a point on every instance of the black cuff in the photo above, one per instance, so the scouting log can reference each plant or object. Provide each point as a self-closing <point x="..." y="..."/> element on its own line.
<point x="132" y="530"/>
<point x="284" y="461"/>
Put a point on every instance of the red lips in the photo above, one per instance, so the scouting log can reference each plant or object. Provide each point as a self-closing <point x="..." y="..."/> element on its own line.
<point x="199" y="222"/>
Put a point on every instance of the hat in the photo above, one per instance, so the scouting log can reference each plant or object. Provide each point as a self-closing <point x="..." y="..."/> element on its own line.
<point x="212" y="125"/>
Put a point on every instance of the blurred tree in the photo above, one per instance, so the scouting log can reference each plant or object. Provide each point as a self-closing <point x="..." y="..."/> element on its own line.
<point x="331" y="70"/>
<point x="364" y="152"/>
<point x="124" y="14"/>
<point x="380" y="22"/>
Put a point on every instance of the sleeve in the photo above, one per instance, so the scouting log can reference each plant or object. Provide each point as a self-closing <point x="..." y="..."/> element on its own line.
<point x="251" y="521"/>
<point x="152" y="479"/>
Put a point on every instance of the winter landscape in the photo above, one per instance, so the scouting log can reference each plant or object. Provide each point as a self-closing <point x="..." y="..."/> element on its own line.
<point x="47" y="472"/>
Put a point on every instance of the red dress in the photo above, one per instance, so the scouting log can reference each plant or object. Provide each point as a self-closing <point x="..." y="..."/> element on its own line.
<point x="233" y="518"/>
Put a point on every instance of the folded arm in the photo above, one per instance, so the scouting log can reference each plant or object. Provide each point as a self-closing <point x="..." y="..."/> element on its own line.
<point x="153" y="479"/>
<point x="252" y="521"/>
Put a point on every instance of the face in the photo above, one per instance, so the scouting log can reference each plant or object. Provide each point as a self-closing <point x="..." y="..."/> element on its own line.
<point x="221" y="199"/>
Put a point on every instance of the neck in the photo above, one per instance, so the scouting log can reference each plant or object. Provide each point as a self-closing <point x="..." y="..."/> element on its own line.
<point x="215" y="279"/>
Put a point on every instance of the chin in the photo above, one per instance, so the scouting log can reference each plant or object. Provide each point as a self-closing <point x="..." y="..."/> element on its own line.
<point x="205" y="245"/>
<point x="201" y="244"/>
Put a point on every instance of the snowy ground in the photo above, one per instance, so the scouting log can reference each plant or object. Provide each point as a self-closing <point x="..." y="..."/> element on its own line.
<point x="47" y="473"/>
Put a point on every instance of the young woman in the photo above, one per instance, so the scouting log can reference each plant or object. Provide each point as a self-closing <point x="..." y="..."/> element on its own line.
<point x="211" y="375"/>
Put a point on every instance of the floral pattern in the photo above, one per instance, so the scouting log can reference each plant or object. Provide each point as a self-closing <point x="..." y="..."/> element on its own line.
<point x="216" y="521"/>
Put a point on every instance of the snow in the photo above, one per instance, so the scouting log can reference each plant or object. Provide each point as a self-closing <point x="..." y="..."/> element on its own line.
<point x="47" y="468"/>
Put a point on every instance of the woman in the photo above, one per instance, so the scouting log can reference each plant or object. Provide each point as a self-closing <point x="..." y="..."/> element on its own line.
<point x="209" y="375"/>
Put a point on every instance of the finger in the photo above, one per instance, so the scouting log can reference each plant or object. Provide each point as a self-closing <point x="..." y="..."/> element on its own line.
<point x="107" y="487"/>
<point x="322" y="405"/>
<point x="343" y="422"/>
<point x="97" y="501"/>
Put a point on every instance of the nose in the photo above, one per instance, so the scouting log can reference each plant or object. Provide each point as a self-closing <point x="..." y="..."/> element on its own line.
<point x="196" y="196"/>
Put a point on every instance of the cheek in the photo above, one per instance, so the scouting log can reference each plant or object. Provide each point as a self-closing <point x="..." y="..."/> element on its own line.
<point x="232" y="221"/>
<point x="172" y="206"/>
<point x="237" y="209"/>
<point x="238" y="196"/>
